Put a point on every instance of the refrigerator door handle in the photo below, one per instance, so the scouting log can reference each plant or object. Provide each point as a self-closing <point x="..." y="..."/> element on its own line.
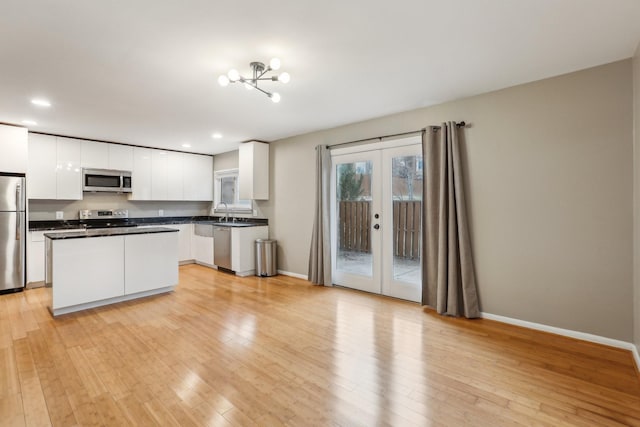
<point x="19" y="198"/>
<point x="18" y="225"/>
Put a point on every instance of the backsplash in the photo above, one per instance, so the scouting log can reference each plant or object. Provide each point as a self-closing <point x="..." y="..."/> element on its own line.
<point x="40" y="210"/>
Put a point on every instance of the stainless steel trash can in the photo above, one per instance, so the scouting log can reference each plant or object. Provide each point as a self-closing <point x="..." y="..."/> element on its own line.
<point x="266" y="257"/>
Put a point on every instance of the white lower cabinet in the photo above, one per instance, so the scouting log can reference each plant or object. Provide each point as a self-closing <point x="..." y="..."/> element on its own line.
<point x="85" y="270"/>
<point x="184" y="240"/>
<point x="202" y="244"/>
<point x="89" y="272"/>
<point x="243" y="248"/>
<point x="146" y="257"/>
<point x="35" y="255"/>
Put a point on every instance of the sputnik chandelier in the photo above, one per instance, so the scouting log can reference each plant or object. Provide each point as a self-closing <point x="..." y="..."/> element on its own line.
<point x="259" y="70"/>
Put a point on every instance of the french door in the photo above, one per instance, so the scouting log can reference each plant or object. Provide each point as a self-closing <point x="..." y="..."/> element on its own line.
<point x="376" y="217"/>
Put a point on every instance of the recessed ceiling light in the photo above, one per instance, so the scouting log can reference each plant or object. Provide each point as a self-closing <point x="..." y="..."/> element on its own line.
<point x="216" y="135"/>
<point x="41" y="102"/>
<point x="186" y="145"/>
<point x="29" y="122"/>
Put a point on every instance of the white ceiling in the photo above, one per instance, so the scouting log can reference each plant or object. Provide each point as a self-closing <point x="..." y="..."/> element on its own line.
<point x="145" y="72"/>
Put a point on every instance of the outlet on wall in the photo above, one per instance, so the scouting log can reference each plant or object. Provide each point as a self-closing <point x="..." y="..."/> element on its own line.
<point x="59" y="215"/>
<point x="160" y="212"/>
<point x="255" y="212"/>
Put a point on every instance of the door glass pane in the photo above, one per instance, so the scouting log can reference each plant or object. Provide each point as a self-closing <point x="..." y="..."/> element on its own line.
<point x="353" y="200"/>
<point x="407" y="179"/>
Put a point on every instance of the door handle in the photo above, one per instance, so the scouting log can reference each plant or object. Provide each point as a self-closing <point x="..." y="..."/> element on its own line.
<point x="18" y="225"/>
<point x="18" y="198"/>
<point x="377" y="226"/>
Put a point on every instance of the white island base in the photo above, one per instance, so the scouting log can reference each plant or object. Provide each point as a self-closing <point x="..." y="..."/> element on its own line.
<point x="111" y="267"/>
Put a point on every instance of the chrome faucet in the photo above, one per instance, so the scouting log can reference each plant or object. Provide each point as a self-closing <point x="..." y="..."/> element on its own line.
<point x="226" y="208"/>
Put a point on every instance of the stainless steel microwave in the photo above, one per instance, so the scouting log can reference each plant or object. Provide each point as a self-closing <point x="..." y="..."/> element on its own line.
<point x="105" y="180"/>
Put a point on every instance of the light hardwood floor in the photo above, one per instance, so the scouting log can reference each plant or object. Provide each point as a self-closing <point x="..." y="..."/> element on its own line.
<point x="229" y="351"/>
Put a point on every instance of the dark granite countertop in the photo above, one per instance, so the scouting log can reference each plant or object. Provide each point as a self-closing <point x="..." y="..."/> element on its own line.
<point x="106" y="232"/>
<point x="52" y="225"/>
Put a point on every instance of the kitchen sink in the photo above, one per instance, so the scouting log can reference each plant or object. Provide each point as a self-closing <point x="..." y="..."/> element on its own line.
<point x="233" y="224"/>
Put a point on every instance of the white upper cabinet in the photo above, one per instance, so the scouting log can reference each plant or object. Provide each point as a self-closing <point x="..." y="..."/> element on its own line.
<point x="175" y="178"/>
<point x="198" y="177"/>
<point x="253" y="171"/>
<point x="120" y="157"/>
<point x="13" y="149"/>
<point x="141" y="174"/>
<point x="103" y="155"/>
<point x="69" y="171"/>
<point x="54" y="168"/>
<point x="159" y="178"/>
<point x="95" y="155"/>
<point x="41" y="174"/>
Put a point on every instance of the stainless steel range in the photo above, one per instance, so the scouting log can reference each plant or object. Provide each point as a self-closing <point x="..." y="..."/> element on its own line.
<point x="105" y="218"/>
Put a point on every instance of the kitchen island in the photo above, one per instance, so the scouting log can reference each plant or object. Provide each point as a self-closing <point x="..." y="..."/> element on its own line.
<point x="91" y="268"/>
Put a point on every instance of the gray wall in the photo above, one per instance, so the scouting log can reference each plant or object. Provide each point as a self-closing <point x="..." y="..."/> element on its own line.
<point x="46" y="209"/>
<point x="225" y="161"/>
<point x="636" y="181"/>
<point x="550" y="196"/>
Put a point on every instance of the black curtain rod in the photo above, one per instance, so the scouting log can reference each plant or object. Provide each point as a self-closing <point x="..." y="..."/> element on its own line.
<point x="459" y="124"/>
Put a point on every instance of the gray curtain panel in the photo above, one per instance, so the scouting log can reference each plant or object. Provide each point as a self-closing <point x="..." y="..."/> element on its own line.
<point x="320" y="254"/>
<point x="449" y="283"/>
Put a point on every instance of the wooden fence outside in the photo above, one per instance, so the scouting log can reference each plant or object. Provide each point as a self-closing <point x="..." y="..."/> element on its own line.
<point x="354" y="222"/>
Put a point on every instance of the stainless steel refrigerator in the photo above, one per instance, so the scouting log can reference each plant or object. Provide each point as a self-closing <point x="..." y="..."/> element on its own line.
<point x="12" y="232"/>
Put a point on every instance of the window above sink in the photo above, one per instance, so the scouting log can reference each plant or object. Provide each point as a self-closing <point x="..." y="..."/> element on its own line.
<point x="226" y="193"/>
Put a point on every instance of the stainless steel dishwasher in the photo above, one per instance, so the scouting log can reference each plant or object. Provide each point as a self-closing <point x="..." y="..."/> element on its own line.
<point x="222" y="247"/>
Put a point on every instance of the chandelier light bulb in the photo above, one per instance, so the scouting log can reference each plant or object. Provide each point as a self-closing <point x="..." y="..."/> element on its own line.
<point x="259" y="73"/>
<point x="284" y="78"/>
<point x="234" y="75"/>
<point x="223" y="80"/>
<point x="274" y="64"/>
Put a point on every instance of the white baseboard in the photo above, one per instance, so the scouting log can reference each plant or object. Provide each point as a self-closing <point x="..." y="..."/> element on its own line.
<point x="296" y="275"/>
<point x="568" y="333"/>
